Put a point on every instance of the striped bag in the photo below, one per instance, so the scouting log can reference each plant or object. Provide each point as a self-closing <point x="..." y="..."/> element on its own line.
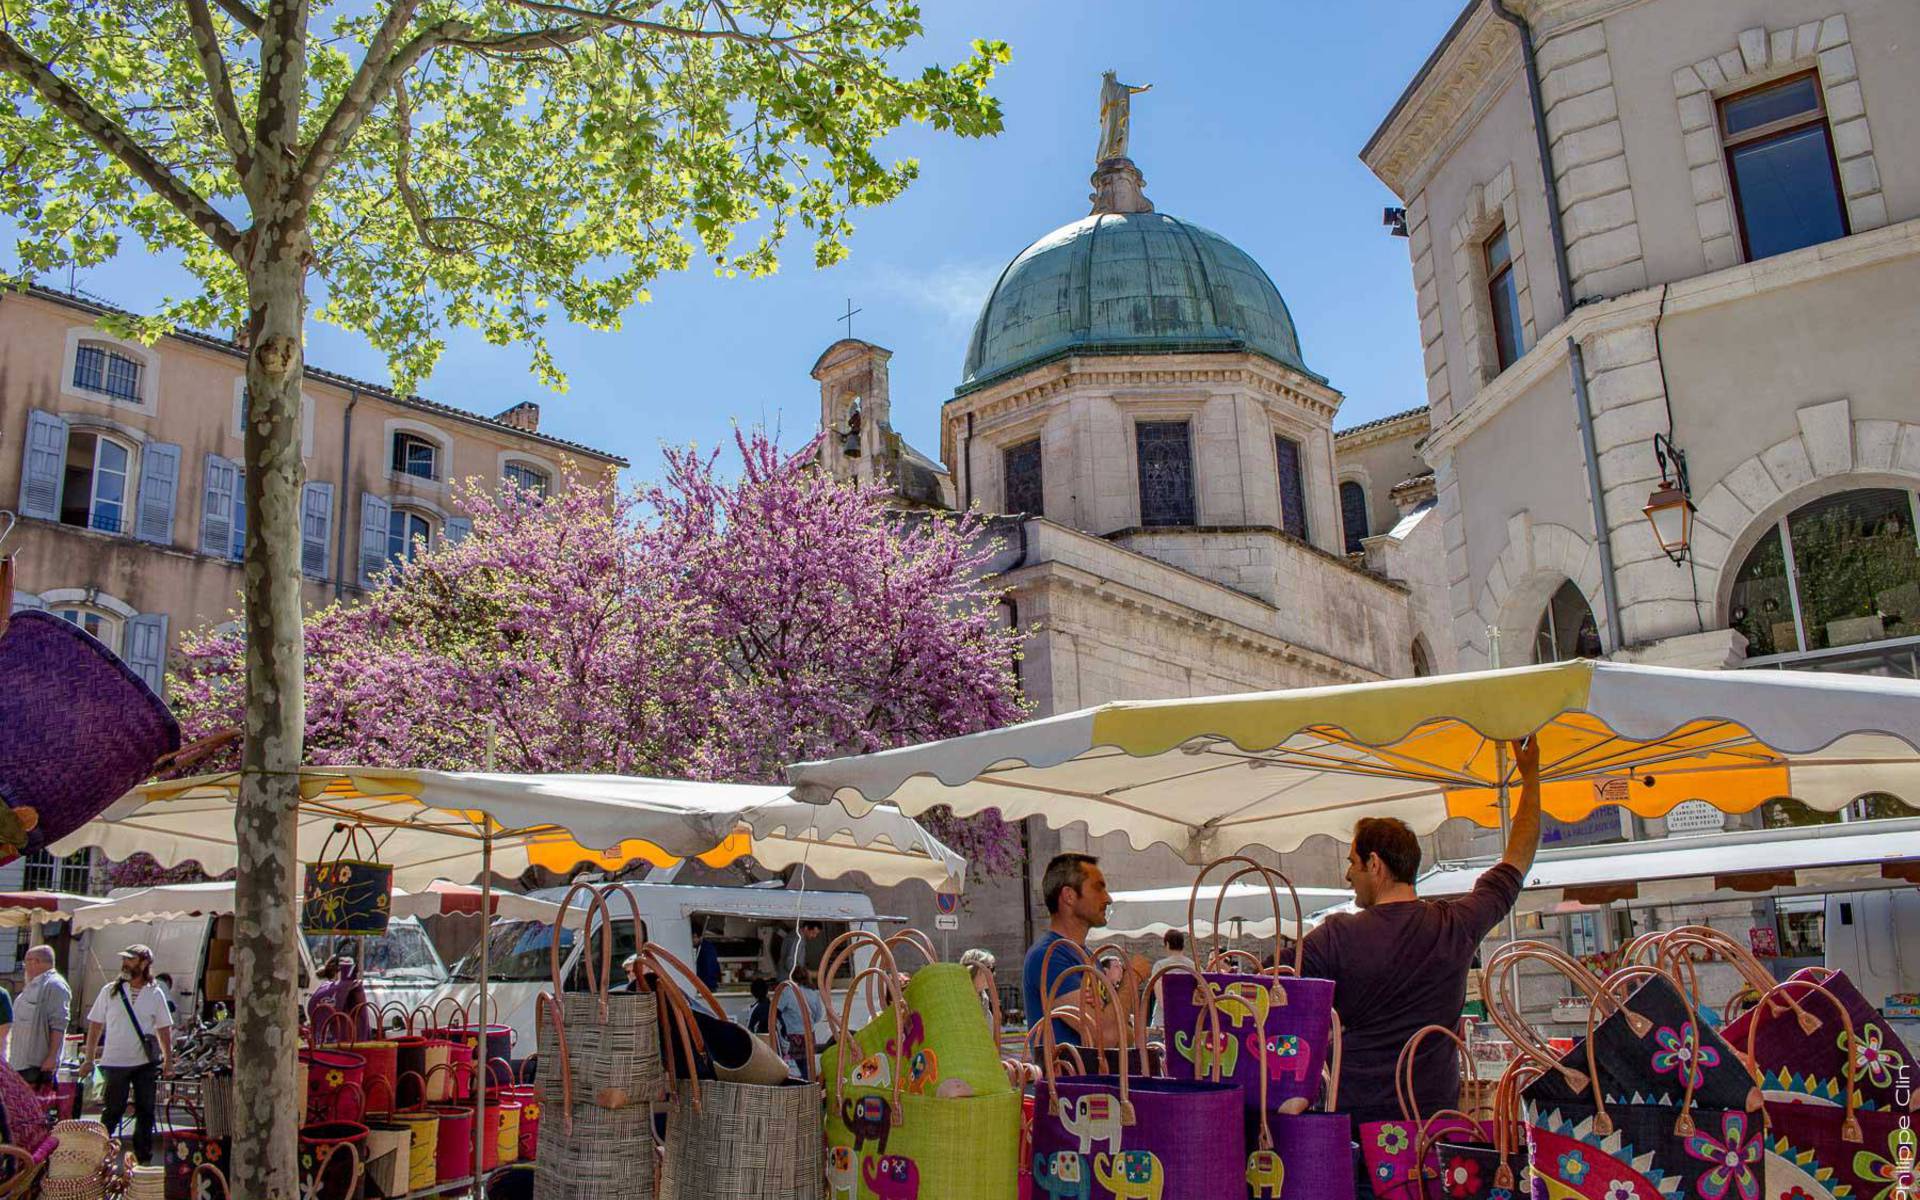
<point x="605" y="1044"/>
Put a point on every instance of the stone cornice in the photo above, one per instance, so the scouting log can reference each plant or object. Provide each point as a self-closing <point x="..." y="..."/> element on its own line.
<point x="1458" y="80"/>
<point x="1383" y="431"/>
<point x="1876" y="247"/>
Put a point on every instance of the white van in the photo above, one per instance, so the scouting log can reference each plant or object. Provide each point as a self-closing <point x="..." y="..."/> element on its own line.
<point x="751" y="927"/>
<point x="399" y="966"/>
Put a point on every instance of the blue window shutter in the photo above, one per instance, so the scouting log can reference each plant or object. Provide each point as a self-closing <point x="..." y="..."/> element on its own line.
<point x="42" y="471"/>
<point x="146" y="648"/>
<point x="457" y="530"/>
<point x="316" y="528"/>
<point x="216" y="507"/>
<point x="159" y="483"/>
<point x="373" y="538"/>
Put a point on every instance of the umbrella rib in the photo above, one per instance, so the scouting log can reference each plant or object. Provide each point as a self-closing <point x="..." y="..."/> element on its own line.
<point x="1096" y="797"/>
<point x="1320" y="808"/>
<point x="1433" y="772"/>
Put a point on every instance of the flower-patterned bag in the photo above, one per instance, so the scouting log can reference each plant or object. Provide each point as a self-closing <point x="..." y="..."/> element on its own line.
<point x="1468" y="1168"/>
<point x="349" y="895"/>
<point x="1387" y="1147"/>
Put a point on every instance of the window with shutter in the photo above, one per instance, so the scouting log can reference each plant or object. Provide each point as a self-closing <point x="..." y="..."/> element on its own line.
<point x="316" y="527"/>
<point x="96" y="487"/>
<point x="42" y="469"/>
<point x="217" y="507"/>
<point x="146" y="649"/>
<point x="1165" y="453"/>
<point x="239" y="548"/>
<point x="374" y="512"/>
<point x="159" y="484"/>
<point x="458" y="529"/>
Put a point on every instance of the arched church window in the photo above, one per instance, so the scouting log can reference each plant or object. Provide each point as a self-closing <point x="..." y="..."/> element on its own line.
<point x="1022" y="479"/>
<point x="1422" y="660"/>
<point x="1165" y="452"/>
<point x="1353" y="514"/>
<point x="1567" y="629"/>
<point x="1840" y="571"/>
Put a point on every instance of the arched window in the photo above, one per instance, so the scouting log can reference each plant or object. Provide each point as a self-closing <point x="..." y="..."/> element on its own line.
<point x="409" y="535"/>
<point x="527" y="477"/>
<point x="1353" y="514"/>
<point x="97" y="492"/>
<point x="104" y="371"/>
<point x="1422" y="660"/>
<point x="1567" y="629"/>
<point x="1840" y="571"/>
<point x="103" y="625"/>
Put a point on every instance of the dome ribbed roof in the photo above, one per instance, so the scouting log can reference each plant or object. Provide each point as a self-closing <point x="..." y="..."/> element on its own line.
<point x="1118" y="283"/>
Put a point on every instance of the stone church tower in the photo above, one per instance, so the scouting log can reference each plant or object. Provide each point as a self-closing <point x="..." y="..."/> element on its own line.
<point x="856" y="415"/>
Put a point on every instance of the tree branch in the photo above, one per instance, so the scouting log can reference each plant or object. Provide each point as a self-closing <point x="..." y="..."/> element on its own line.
<point x="63" y="99"/>
<point x="369" y="84"/>
<point x="213" y="64"/>
<point x="248" y="18"/>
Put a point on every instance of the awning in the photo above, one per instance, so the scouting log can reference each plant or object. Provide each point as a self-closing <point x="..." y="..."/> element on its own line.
<point x="174" y="901"/>
<point x="1730" y="866"/>
<point x="431" y="825"/>
<point x="19" y="910"/>
<point x="1211" y="775"/>
<point x="1246" y="911"/>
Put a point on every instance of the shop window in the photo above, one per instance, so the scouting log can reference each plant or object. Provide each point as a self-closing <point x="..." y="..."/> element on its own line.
<point x="416" y="456"/>
<point x="1293" y="487"/>
<point x="1353" y="514"/>
<point x="1567" y="629"/>
<point x="1165" y="453"/>
<point x="1841" y="571"/>
<point x="528" y="479"/>
<point x="106" y="372"/>
<point x="1021" y="466"/>
<point x="95" y="493"/>
<point x="1503" y="293"/>
<point x="409" y="535"/>
<point x="1786" y="182"/>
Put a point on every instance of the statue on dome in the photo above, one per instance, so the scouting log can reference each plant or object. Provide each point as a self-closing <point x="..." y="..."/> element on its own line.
<point x="1116" y="101"/>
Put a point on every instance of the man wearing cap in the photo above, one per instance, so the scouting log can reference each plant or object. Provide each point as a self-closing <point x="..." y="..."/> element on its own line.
<point x="130" y="1038"/>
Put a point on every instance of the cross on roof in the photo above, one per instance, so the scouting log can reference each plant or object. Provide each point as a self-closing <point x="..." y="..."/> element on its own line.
<point x="849" y="315"/>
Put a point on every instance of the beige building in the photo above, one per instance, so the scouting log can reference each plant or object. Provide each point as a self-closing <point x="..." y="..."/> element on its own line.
<point x="1135" y="398"/>
<point x="1664" y="240"/>
<point x="124" y="463"/>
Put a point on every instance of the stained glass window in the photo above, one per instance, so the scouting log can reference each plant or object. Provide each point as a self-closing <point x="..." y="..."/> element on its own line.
<point x="1021" y="467"/>
<point x="1293" y="487"/>
<point x="1165" y="450"/>
<point x="1353" y="514"/>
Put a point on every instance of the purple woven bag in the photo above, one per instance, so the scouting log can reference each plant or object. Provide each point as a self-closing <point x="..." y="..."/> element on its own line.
<point x="78" y="728"/>
<point x="1301" y="1154"/>
<point x="1266" y="1017"/>
<point x="1133" y="1137"/>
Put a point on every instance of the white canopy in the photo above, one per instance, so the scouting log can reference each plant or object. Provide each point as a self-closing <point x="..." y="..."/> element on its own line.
<point x="432" y="825"/>
<point x="1841" y="857"/>
<point x="171" y="901"/>
<point x="1246" y="910"/>
<point x="24" y="910"/>
<point x="1210" y="775"/>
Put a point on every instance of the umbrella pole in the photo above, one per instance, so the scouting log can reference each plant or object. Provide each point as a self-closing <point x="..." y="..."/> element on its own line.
<point x="480" y="1050"/>
<point x="1506" y="831"/>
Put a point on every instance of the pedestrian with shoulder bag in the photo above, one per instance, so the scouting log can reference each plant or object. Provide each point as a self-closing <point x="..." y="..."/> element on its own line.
<point x="130" y="1038"/>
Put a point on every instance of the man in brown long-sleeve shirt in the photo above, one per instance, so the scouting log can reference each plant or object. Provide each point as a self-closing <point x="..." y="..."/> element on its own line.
<point x="1401" y="962"/>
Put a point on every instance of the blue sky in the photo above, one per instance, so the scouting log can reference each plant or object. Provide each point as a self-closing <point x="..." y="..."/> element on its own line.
<point x="1253" y="128"/>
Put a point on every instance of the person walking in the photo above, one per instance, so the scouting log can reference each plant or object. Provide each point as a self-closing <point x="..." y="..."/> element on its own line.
<point x="800" y="1009"/>
<point x="1401" y="962"/>
<point x="1175" y="941"/>
<point x="40" y="1019"/>
<point x="130" y="1038"/>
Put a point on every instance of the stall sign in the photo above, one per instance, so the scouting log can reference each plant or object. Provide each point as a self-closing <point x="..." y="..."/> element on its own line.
<point x="1571" y="1009"/>
<point x="1764" y="941"/>
<point x="1691" y="818"/>
<point x="1902" y="1006"/>
<point x="1598" y="828"/>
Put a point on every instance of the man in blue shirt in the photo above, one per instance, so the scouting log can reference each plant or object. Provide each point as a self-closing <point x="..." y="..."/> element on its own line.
<point x="1076" y="896"/>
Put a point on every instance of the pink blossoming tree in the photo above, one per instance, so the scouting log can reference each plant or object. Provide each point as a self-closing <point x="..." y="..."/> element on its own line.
<point x="713" y="626"/>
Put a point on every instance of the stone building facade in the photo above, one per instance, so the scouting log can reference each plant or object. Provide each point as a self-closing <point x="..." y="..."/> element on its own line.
<point x="124" y="464"/>
<point x="1707" y="279"/>
<point x="1136" y="401"/>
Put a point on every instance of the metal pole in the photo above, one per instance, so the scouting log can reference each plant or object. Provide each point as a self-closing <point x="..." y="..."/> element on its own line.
<point x="480" y="1051"/>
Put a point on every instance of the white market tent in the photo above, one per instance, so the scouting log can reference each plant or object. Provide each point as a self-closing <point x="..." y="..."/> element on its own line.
<point x="1213" y="775"/>
<point x="453" y="825"/>
<point x="171" y="901"/>
<point x="1727" y="866"/>
<point x="1245" y="911"/>
<point x="30" y="910"/>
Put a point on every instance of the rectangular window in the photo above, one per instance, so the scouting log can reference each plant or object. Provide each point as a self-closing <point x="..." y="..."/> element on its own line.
<point x="1021" y="465"/>
<point x="1165" y="450"/>
<point x="414" y="456"/>
<point x="1786" y="182"/>
<point x="1293" y="487"/>
<point x="1503" y="293"/>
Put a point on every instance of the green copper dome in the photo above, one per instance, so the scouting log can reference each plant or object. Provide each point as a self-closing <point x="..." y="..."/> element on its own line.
<point x="1119" y="283"/>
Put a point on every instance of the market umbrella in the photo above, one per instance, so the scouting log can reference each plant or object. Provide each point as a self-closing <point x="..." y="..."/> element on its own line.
<point x="1214" y="775"/>
<point x="22" y="910"/>
<point x="444" y="825"/>
<point x="1246" y="910"/>
<point x="172" y="901"/>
